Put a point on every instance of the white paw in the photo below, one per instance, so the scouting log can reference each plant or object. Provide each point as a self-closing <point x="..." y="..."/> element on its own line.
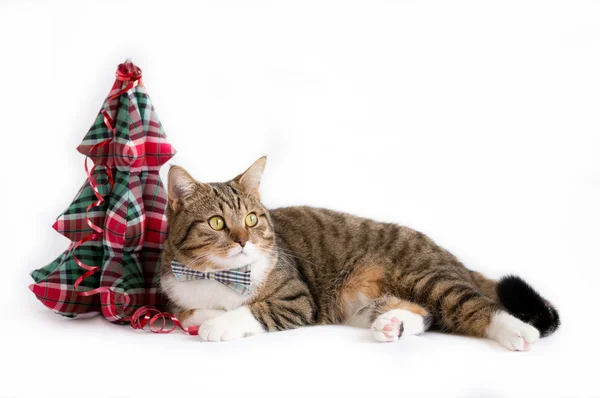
<point x="230" y="326"/>
<point x="200" y="316"/>
<point x="393" y="324"/>
<point x="512" y="332"/>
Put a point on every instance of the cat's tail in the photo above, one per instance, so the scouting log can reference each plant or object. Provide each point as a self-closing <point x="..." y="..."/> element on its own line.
<point x="521" y="301"/>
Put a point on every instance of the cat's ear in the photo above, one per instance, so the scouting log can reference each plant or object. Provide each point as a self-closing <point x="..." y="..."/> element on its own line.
<point x="249" y="180"/>
<point x="181" y="186"/>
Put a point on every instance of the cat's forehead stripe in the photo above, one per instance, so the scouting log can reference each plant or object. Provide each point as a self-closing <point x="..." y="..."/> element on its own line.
<point x="224" y="195"/>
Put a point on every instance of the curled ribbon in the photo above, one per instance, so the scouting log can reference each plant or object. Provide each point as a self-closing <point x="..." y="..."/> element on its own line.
<point x="149" y="316"/>
<point x="134" y="79"/>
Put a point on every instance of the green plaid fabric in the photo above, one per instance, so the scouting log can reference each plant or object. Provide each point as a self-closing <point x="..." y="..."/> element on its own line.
<point x="132" y="216"/>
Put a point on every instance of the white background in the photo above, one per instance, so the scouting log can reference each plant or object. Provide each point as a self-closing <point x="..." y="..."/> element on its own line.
<point x="475" y="122"/>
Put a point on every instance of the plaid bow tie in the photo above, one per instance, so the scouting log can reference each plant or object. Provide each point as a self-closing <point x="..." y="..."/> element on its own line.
<point x="237" y="279"/>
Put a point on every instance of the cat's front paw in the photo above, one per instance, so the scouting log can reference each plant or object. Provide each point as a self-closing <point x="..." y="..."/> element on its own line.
<point x="197" y="317"/>
<point x="230" y="326"/>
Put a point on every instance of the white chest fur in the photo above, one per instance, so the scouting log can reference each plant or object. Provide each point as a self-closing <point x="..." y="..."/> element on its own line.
<point x="209" y="294"/>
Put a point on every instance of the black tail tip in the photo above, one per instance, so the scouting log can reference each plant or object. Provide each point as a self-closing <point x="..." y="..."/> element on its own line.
<point x="523" y="302"/>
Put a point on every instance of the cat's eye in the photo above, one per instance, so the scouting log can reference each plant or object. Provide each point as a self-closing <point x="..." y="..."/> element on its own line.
<point x="251" y="220"/>
<point x="217" y="223"/>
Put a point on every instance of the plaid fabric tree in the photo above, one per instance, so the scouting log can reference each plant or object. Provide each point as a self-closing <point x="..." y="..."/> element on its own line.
<point x="117" y="222"/>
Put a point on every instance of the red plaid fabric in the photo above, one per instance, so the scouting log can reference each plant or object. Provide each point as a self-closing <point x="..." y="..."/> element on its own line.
<point x="132" y="214"/>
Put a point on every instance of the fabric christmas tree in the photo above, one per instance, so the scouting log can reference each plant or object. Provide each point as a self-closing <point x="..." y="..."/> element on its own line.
<point x="117" y="222"/>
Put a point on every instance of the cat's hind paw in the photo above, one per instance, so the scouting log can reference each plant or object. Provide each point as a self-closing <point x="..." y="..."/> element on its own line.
<point x="397" y="323"/>
<point x="512" y="332"/>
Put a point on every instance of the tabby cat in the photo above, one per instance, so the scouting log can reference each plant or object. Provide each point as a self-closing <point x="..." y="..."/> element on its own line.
<point x="236" y="269"/>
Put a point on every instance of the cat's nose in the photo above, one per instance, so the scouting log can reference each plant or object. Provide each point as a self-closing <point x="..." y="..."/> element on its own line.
<point x="239" y="236"/>
<point x="242" y="241"/>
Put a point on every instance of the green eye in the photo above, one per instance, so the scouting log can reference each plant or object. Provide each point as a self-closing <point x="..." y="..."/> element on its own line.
<point x="216" y="223"/>
<point x="251" y="220"/>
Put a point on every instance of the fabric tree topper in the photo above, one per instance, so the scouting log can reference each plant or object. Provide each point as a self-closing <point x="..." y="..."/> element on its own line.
<point x="117" y="222"/>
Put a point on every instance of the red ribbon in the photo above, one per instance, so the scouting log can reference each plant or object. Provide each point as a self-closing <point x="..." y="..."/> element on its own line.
<point x="149" y="316"/>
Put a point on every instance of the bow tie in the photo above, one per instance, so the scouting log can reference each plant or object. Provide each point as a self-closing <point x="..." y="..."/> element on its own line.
<point x="237" y="279"/>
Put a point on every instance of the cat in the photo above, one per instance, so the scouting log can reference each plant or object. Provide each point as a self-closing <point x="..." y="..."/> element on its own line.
<point x="234" y="269"/>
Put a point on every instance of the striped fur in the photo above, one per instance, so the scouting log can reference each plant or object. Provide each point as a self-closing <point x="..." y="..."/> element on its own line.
<point x="329" y="248"/>
<point x="325" y="267"/>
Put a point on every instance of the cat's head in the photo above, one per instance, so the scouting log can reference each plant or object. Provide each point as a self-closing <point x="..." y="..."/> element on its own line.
<point x="218" y="226"/>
